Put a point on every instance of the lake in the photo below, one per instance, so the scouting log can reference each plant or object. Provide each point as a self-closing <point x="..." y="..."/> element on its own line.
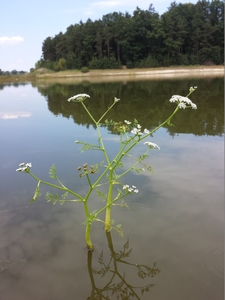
<point x="173" y="240"/>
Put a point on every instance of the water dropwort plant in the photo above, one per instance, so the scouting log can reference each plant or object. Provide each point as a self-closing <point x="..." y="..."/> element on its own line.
<point x="110" y="171"/>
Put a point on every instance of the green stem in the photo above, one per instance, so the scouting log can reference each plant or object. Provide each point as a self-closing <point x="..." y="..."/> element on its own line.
<point x="88" y="228"/>
<point x="90" y="115"/>
<point x="109" y="204"/>
<point x="105" y="113"/>
<point x="102" y="146"/>
<point x="57" y="187"/>
<point x="72" y="200"/>
<point x="88" y="237"/>
<point x="89" y="181"/>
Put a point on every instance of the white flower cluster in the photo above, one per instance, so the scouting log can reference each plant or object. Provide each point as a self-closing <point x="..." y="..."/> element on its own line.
<point x="183" y="102"/>
<point x="137" y="130"/>
<point x="24" y="167"/>
<point x="78" y="98"/>
<point x="152" y="145"/>
<point x="130" y="189"/>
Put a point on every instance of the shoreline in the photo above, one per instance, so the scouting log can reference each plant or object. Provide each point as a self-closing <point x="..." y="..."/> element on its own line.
<point x="117" y="74"/>
<point x="95" y="76"/>
<point x="138" y="72"/>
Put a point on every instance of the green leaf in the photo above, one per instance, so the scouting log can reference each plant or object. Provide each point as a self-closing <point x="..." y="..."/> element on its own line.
<point x="135" y="122"/>
<point x="100" y="258"/>
<point x="52" y="198"/>
<point x="138" y="170"/>
<point x="126" y="245"/>
<point x="55" y="198"/>
<point x="109" y="122"/>
<point x="87" y="146"/>
<point x="37" y="192"/>
<point x="119" y="164"/>
<point x="48" y="197"/>
<point x="150" y="170"/>
<point x="64" y="196"/>
<point x="119" y="193"/>
<point x="124" y="204"/>
<point x="52" y="172"/>
<point x="93" y="215"/>
<point x="119" y="229"/>
<point x="101" y="195"/>
<point x="146" y="288"/>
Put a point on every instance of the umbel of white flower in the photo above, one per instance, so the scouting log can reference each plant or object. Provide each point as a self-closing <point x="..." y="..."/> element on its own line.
<point x="183" y="102"/>
<point x="152" y="145"/>
<point x="24" y="167"/>
<point x="78" y="98"/>
<point x="130" y="189"/>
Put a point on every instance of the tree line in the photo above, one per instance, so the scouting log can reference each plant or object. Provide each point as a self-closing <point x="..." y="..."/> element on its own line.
<point x="187" y="34"/>
<point x="13" y="72"/>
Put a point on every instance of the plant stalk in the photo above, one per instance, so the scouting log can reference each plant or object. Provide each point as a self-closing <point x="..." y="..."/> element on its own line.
<point x="109" y="204"/>
<point x="88" y="228"/>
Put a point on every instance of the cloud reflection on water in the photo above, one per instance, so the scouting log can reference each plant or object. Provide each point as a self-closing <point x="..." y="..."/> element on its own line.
<point x="15" y="115"/>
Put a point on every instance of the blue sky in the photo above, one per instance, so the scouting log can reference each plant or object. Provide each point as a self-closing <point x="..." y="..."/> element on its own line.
<point x="25" y="24"/>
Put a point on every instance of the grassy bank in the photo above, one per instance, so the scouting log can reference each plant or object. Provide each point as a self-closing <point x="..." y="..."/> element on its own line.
<point x="28" y="77"/>
<point x="42" y="74"/>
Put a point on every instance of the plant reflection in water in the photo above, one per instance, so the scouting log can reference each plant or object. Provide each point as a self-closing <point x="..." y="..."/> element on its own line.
<point x="116" y="285"/>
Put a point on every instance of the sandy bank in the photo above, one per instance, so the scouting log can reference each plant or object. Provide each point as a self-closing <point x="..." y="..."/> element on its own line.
<point x="135" y="74"/>
<point x="75" y="76"/>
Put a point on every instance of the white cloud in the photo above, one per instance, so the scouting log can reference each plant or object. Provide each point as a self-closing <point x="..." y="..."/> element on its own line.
<point x="14" y="40"/>
<point x="105" y="4"/>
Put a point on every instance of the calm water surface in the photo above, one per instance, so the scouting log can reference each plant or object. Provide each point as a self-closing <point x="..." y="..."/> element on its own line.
<point x="173" y="231"/>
